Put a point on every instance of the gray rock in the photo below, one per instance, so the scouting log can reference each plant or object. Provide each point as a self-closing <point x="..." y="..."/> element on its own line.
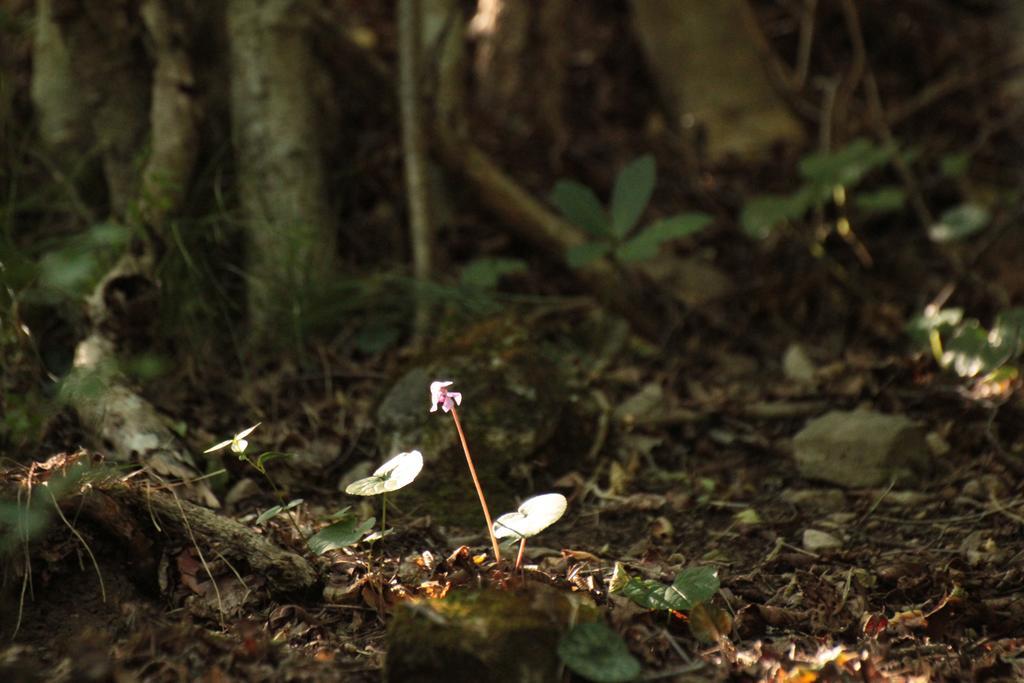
<point x="861" y="448"/>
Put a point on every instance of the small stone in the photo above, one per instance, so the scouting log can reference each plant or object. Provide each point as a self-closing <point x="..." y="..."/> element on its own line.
<point x="861" y="448"/>
<point x="815" y="540"/>
<point x="815" y="499"/>
<point x="797" y="365"/>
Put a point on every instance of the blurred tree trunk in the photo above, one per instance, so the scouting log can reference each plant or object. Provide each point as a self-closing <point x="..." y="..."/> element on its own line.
<point x="282" y="183"/>
<point x="711" y="76"/>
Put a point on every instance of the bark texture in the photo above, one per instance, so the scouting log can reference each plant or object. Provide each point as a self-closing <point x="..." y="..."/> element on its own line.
<point x="282" y="183"/>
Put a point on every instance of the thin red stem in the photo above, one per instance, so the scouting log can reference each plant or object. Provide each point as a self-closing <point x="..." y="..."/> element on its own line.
<point x="476" y="482"/>
<point x="519" y="557"/>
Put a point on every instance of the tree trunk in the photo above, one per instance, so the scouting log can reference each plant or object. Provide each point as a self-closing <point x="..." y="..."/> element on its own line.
<point x="282" y="184"/>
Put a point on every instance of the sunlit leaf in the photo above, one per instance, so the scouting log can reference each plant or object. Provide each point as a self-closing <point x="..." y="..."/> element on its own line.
<point x="584" y="254"/>
<point x="533" y="516"/>
<point x="969" y="351"/>
<point x="631" y="194"/>
<point x="397" y="472"/>
<point x="341" y="534"/>
<point x="692" y="586"/>
<point x="598" y="653"/>
<point x="959" y="222"/>
<point x="579" y="204"/>
<point x="708" y="623"/>
<point x="944" y="320"/>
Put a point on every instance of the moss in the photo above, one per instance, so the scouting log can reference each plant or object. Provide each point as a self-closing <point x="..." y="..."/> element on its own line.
<point x="484" y="635"/>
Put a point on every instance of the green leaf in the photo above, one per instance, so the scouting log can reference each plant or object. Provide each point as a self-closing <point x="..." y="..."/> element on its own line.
<point x="969" y="351"/>
<point x="761" y="214"/>
<point x="845" y="166"/>
<point x="274" y="511"/>
<point x="598" y="653"/>
<point x="959" y="222"/>
<point x="586" y="253"/>
<point x="646" y="244"/>
<point x="692" y="586"/>
<point x="579" y="204"/>
<point x="631" y="194"/>
<point x="882" y="200"/>
<point x="1008" y="330"/>
<point x="944" y="320"/>
<point x="484" y="273"/>
<point x="955" y="165"/>
<point x="340" y="534"/>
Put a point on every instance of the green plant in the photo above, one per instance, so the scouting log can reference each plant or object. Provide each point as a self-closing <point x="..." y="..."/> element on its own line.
<point x="826" y="176"/>
<point x="692" y="586"/>
<point x="598" y="653"/>
<point x="533" y="516"/>
<point x="396" y="473"/>
<point x="611" y="228"/>
<point x="345" y="530"/>
<point x="964" y="346"/>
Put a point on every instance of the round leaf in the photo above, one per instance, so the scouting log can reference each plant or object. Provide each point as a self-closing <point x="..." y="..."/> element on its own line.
<point x="533" y="516"/>
<point x="391" y="476"/>
<point x="598" y="653"/>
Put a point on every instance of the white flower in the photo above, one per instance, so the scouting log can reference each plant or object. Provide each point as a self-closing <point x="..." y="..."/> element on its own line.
<point x="237" y="442"/>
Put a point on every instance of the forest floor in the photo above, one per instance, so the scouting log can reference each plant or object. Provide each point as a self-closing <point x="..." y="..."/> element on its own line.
<point x="691" y="463"/>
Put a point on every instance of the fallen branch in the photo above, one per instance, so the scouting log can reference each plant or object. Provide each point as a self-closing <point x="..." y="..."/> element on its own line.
<point x="132" y="513"/>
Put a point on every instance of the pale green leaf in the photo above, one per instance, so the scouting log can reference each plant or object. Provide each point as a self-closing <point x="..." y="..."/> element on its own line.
<point x="631" y="194"/>
<point x="579" y="204"/>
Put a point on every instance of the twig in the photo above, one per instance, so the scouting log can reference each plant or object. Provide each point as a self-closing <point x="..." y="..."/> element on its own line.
<point x="879" y="121"/>
<point x="806" y="40"/>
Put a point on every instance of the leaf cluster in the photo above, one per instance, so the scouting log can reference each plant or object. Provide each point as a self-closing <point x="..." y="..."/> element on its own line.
<point x="613" y="230"/>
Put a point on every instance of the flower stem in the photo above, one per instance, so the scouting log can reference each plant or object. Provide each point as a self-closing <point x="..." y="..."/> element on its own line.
<point x="476" y="482"/>
<point x="519" y="557"/>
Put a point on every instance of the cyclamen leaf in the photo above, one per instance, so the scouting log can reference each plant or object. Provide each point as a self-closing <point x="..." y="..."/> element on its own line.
<point x="631" y="194"/>
<point x="579" y="204"/>
<point x="598" y="653"/>
<point x="340" y="534"/>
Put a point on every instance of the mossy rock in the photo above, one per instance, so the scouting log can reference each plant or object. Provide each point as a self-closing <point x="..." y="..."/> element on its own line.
<point x="483" y="635"/>
<point x="509" y="410"/>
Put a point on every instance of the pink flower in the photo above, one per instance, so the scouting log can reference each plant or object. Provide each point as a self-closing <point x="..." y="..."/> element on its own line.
<point x="439" y="395"/>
